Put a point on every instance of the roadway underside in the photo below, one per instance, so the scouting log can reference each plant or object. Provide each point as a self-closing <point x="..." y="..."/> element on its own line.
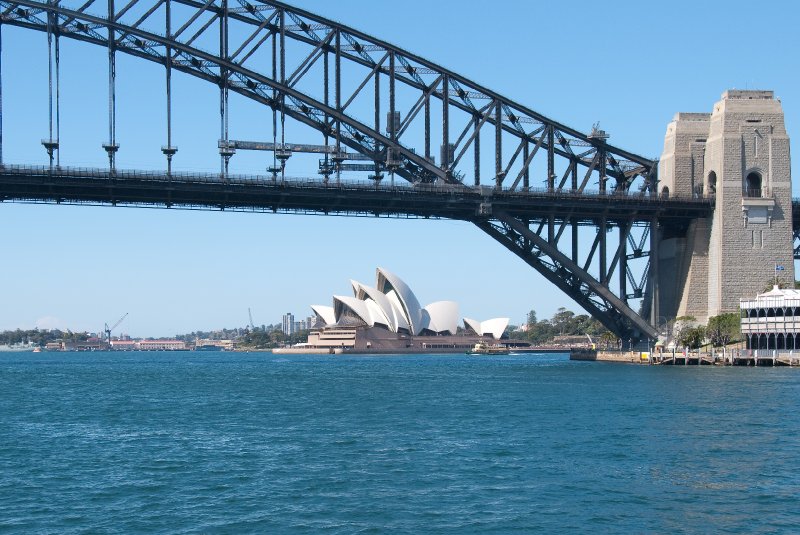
<point x="212" y="192"/>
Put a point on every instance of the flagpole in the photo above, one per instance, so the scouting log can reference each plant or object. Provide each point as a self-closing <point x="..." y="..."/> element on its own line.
<point x="777" y="269"/>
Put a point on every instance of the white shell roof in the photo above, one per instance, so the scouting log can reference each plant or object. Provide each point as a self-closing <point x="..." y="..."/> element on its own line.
<point x="399" y="313"/>
<point x="325" y="313"/>
<point x="356" y="306"/>
<point x="408" y="301"/>
<point x="377" y="314"/>
<point x="474" y="325"/>
<point x="356" y="287"/>
<point x="391" y="303"/>
<point x="495" y="326"/>
<point x="442" y="316"/>
<point x="391" y="310"/>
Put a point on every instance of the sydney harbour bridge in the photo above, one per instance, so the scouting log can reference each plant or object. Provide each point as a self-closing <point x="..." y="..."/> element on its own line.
<point x="390" y="133"/>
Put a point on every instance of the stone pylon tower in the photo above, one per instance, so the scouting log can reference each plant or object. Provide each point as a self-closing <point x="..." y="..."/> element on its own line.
<point x="738" y="154"/>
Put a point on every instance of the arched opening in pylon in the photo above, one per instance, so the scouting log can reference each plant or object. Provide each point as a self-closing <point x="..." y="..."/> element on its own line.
<point x="711" y="186"/>
<point x="753" y="185"/>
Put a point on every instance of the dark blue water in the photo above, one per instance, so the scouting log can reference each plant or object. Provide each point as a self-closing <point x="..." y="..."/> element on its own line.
<point x="253" y="443"/>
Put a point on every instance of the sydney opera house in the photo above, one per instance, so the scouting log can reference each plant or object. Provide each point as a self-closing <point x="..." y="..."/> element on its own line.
<point x="388" y="317"/>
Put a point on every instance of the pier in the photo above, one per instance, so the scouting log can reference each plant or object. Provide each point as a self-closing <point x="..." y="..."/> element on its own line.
<point x="743" y="357"/>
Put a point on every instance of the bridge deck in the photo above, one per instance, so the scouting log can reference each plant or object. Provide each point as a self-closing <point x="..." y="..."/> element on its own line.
<point x="261" y="193"/>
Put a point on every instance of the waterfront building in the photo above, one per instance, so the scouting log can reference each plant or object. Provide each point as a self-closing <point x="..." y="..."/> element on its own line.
<point x="288" y="326"/>
<point x="92" y="344"/>
<point x="389" y="317"/>
<point x="162" y="345"/>
<point x="333" y="337"/>
<point x="214" y="345"/>
<point x="569" y="340"/>
<point x="772" y="320"/>
<point x="124" y="345"/>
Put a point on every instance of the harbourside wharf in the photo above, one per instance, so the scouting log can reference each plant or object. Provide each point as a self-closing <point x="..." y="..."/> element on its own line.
<point x="743" y="357"/>
<point x="733" y="358"/>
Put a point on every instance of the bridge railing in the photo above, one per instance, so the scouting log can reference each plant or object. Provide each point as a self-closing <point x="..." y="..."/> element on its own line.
<point x="755" y="193"/>
<point x="489" y="192"/>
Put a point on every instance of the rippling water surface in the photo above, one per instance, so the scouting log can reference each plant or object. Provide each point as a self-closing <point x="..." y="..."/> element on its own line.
<point x="237" y="443"/>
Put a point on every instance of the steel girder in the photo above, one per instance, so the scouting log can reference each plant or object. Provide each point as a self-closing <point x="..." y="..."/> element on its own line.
<point x="556" y="212"/>
<point x="796" y="240"/>
<point x="303" y="43"/>
<point x="796" y="227"/>
<point x="134" y="30"/>
<point x="593" y="295"/>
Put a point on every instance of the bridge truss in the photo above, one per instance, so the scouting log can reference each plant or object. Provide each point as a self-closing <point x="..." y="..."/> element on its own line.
<point x="375" y="111"/>
<point x="796" y="228"/>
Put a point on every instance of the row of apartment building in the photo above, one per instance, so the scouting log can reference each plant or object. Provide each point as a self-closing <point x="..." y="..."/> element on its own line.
<point x="289" y="326"/>
<point x="96" y="344"/>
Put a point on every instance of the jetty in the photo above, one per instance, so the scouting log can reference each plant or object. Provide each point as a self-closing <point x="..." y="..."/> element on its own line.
<point x="741" y="357"/>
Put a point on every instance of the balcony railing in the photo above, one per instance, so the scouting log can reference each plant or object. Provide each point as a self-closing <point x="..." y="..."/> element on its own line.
<point x="755" y="193"/>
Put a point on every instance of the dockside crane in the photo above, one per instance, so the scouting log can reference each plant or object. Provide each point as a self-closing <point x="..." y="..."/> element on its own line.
<point x="109" y="329"/>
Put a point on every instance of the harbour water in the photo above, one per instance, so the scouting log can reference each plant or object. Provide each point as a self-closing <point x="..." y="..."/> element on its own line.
<point x="253" y="443"/>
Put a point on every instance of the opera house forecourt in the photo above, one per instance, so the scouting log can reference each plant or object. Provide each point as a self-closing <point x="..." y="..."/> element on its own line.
<point x="387" y="318"/>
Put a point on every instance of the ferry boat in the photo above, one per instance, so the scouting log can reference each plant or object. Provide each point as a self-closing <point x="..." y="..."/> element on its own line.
<point x="482" y="348"/>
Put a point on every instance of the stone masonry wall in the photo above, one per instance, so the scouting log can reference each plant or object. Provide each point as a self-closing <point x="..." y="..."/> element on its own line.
<point x="750" y="234"/>
<point x="693" y="286"/>
<point x="681" y="165"/>
<point x="733" y="255"/>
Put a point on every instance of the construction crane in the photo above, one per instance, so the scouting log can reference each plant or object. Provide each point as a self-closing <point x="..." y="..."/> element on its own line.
<point x="250" y="313"/>
<point x="109" y="329"/>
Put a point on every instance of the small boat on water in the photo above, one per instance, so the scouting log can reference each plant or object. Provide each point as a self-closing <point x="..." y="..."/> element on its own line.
<point x="482" y="348"/>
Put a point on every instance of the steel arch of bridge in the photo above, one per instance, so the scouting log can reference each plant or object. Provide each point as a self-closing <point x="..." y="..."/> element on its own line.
<point x="170" y="32"/>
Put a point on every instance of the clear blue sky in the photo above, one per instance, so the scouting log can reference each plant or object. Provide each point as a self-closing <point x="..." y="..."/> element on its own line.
<point x="629" y="65"/>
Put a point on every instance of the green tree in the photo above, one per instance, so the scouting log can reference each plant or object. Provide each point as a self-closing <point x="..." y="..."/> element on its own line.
<point x="277" y="337"/>
<point x="681" y="327"/>
<point x="724" y="328"/>
<point x="257" y="339"/>
<point x="692" y="337"/>
<point x="70" y="336"/>
<point x="540" y="332"/>
<point x="562" y="320"/>
<point x="608" y="340"/>
<point x="298" y="337"/>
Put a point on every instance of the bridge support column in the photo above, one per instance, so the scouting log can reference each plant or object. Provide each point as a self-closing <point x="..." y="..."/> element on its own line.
<point x="738" y="155"/>
<point x="112" y="147"/>
<point x="603" y="231"/>
<point x="654" y="278"/>
<point x="624" y="232"/>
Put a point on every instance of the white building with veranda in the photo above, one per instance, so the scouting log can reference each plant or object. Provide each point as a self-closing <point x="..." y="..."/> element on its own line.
<point x="772" y="320"/>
